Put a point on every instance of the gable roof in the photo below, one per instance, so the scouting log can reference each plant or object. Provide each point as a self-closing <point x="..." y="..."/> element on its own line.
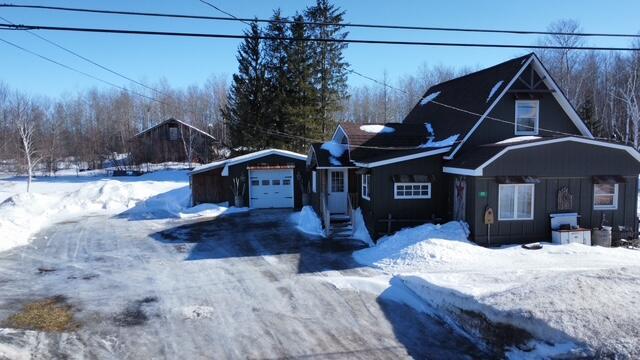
<point x="172" y="120"/>
<point x="460" y="105"/>
<point x="324" y="158"/>
<point x="472" y="163"/>
<point x="243" y="158"/>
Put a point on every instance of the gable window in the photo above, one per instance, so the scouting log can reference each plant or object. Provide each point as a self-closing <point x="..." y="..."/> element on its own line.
<point x="605" y="196"/>
<point x="173" y="133"/>
<point x="366" y="178"/>
<point x="515" y="201"/>
<point x="412" y="190"/>
<point x="527" y="117"/>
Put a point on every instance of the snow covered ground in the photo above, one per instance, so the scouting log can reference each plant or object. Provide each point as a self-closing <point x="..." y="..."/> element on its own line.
<point x="161" y="194"/>
<point x="581" y="299"/>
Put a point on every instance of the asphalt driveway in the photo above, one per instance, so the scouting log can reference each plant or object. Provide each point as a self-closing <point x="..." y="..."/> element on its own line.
<point x="240" y="286"/>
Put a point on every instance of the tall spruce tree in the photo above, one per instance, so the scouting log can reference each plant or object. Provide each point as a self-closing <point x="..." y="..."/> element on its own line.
<point x="245" y="109"/>
<point x="275" y="61"/>
<point x="301" y="95"/>
<point x="330" y="67"/>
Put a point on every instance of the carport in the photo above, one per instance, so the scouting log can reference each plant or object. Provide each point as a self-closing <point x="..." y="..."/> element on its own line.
<point x="269" y="178"/>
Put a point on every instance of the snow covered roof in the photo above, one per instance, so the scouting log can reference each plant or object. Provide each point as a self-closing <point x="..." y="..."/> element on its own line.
<point x="172" y="120"/>
<point x="247" y="157"/>
<point x="458" y="106"/>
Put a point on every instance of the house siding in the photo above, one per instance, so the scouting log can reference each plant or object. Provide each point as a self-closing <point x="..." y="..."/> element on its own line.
<point x="564" y="164"/>
<point x="212" y="187"/>
<point x="382" y="201"/>
<point x="545" y="203"/>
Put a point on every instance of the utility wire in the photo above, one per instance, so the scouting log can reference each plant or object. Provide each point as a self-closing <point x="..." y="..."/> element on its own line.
<point x="226" y="13"/>
<point x="321" y="40"/>
<point x="353" y="25"/>
<point x="86" y="59"/>
<point x="75" y="70"/>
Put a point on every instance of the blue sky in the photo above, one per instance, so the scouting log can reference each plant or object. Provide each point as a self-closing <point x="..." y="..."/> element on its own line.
<point x="186" y="61"/>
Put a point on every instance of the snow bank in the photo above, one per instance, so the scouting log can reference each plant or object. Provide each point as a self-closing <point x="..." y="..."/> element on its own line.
<point x="308" y="221"/>
<point x="360" y="231"/>
<point x="163" y="194"/>
<point x="408" y="248"/>
<point x="575" y="296"/>
<point x="376" y="129"/>
<point x="429" y="98"/>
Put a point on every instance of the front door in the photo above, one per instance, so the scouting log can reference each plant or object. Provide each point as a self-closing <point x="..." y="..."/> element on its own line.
<point x="338" y="191"/>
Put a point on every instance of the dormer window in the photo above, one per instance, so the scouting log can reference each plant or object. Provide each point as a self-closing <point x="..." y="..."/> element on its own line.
<point x="527" y="116"/>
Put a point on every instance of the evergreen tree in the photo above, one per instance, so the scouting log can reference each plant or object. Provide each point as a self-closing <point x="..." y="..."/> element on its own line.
<point x="245" y="109"/>
<point x="330" y="68"/>
<point x="275" y="61"/>
<point x="587" y="113"/>
<point x="301" y="94"/>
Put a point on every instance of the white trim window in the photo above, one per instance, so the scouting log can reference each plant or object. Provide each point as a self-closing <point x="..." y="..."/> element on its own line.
<point x="314" y="186"/>
<point x="412" y="190"/>
<point x="515" y="201"/>
<point x="365" y="186"/>
<point x="605" y="196"/>
<point x="527" y="117"/>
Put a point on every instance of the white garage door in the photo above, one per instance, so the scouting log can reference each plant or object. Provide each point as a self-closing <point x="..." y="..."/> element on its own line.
<point x="271" y="188"/>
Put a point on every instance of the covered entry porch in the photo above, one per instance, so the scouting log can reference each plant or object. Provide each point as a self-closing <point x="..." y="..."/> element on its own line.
<point x="334" y="196"/>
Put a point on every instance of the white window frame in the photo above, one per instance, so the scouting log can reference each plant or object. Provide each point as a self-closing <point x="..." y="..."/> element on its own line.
<point x="365" y="186"/>
<point x="606" y="207"/>
<point x="403" y="197"/>
<point x="535" y="130"/>
<point x="515" y="201"/>
<point x="314" y="187"/>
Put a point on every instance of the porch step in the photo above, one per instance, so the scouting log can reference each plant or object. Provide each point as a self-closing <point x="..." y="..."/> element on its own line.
<point x="339" y="217"/>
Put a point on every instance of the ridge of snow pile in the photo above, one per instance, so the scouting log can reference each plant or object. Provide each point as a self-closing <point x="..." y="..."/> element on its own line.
<point x="411" y="246"/>
<point x="429" y="98"/>
<point x="160" y="195"/>
<point x="578" y="297"/>
<point x="376" y="129"/>
<point x="360" y="231"/>
<point x="308" y="222"/>
<point x="494" y="89"/>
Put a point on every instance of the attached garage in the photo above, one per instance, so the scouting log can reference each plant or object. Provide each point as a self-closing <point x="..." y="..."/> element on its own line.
<point x="269" y="178"/>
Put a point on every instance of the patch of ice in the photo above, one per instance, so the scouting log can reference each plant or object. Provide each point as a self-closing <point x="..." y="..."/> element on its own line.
<point x="429" y="98"/>
<point x="376" y="129"/>
<point x="494" y="89"/>
<point x="517" y="139"/>
<point x="441" y="143"/>
<point x="308" y="221"/>
<point x="360" y="231"/>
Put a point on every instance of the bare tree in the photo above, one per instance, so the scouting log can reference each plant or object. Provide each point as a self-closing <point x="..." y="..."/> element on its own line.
<point x="26" y="125"/>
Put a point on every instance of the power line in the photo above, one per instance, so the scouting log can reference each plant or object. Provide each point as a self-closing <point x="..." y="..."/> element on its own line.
<point x="353" y="25"/>
<point x="86" y="59"/>
<point x="74" y="69"/>
<point x="321" y="40"/>
<point x="224" y="12"/>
